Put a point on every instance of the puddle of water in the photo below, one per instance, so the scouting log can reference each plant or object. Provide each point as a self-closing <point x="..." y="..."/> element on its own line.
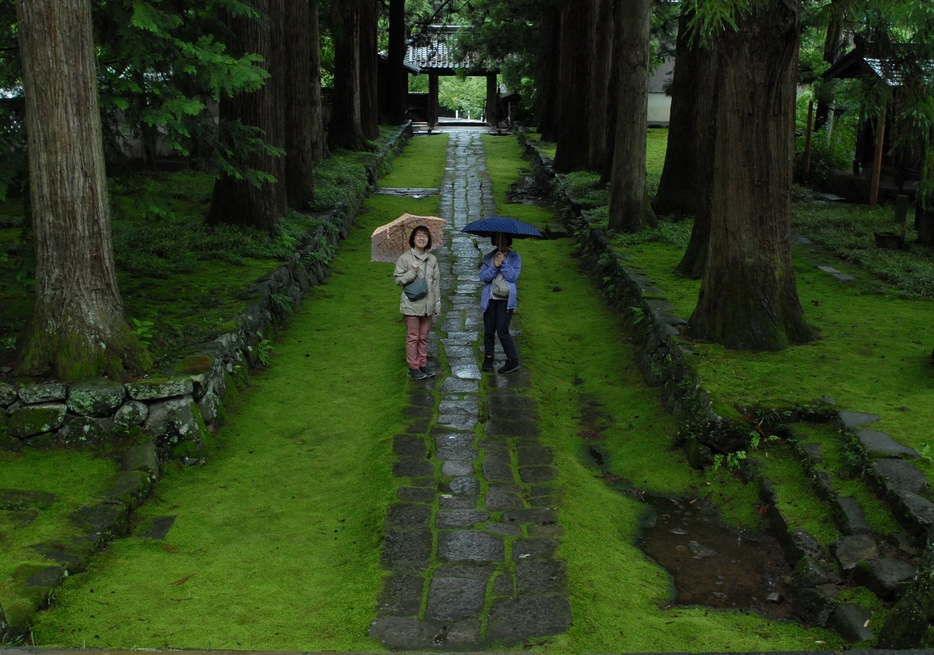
<point x="716" y="566"/>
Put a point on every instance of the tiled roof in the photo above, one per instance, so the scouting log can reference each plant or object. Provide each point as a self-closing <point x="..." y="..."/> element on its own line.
<point x="436" y="49"/>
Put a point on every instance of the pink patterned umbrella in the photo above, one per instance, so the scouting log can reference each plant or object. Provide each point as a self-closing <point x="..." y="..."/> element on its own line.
<point x="392" y="239"/>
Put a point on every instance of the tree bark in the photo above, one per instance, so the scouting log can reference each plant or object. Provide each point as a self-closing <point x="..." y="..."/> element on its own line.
<point x="319" y="149"/>
<point x="748" y="298"/>
<point x="398" y="78"/>
<point x="629" y="205"/>
<point x="300" y="108"/>
<point x="687" y="177"/>
<point x="345" y="129"/>
<point x="237" y="201"/>
<point x="369" y="62"/>
<point x="573" y="89"/>
<point x="77" y="327"/>
<point x="546" y="113"/>
<point x="604" y="87"/>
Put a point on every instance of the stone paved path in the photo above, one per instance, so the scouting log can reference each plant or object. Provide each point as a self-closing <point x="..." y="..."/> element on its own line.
<point x="469" y="548"/>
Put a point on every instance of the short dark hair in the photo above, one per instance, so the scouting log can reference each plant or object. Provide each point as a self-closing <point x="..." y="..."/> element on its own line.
<point x="427" y="233"/>
<point x="507" y="239"/>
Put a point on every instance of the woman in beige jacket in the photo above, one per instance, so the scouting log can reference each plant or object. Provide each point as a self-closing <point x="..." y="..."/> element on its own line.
<point x="419" y="263"/>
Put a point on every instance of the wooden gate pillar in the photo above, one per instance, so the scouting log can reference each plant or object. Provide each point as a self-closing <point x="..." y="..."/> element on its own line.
<point x="432" y="100"/>
<point x="492" y="100"/>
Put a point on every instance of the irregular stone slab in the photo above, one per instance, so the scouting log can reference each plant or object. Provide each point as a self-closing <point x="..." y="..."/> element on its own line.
<point x="454" y="599"/>
<point x="886" y="576"/>
<point x="500" y="501"/>
<point x="535" y="456"/>
<point x="85" y="431"/>
<point x="406" y="550"/>
<point x="457" y="385"/>
<point x="404" y="445"/>
<point x="470" y="406"/>
<point x="415" y="494"/>
<point x="414" y="411"/>
<point x="8" y="394"/>
<point x="899" y="475"/>
<point x="455" y="446"/>
<point x="851" y="550"/>
<point x="853" y="420"/>
<point x="31" y="420"/>
<point x="413" y="468"/>
<point x="449" y="501"/>
<point x="464" y="486"/>
<point x="132" y="412"/>
<point x="466" y="372"/>
<point x="95" y="397"/>
<point x="499" y="428"/>
<point x="503" y="585"/>
<point x="540" y="576"/>
<point x="400" y="633"/>
<point x="156" y="389"/>
<point x="21" y="499"/>
<point x="470" y="545"/>
<point x="879" y="444"/>
<point x="401" y="595"/>
<point x="503" y="528"/>
<point x="849" y="621"/>
<point x="813" y="605"/>
<point x="460" y="518"/>
<point x="453" y="468"/>
<point x="535" y="548"/>
<point x="32" y="394"/>
<point x="460" y="422"/>
<point x="129" y="488"/>
<point x="534" y="474"/>
<point x="530" y="616"/>
<point x="408" y="516"/>
<point x="102" y="522"/>
<point x="851" y="516"/>
<point x="175" y="425"/>
<point x="467" y="571"/>
<point x="917" y="512"/>
<point x="155" y="528"/>
<point x="539" y="515"/>
<point x="495" y="471"/>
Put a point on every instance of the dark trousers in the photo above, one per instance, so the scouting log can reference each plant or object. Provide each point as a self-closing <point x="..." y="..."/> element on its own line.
<point x="496" y="320"/>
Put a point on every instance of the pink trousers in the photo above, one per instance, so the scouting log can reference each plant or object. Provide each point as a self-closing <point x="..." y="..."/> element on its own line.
<point x="416" y="340"/>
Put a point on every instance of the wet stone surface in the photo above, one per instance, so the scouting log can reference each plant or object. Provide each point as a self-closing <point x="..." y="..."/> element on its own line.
<point x="462" y="503"/>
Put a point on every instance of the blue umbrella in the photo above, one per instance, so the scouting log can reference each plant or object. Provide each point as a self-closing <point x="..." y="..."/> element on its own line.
<point x="487" y="227"/>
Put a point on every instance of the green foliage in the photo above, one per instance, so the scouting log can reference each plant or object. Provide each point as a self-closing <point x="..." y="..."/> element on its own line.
<point x="337" y="180"/>
<point x="830" y="151"/>
<point x="264" y="351"/>
<point x="143" y="331"/>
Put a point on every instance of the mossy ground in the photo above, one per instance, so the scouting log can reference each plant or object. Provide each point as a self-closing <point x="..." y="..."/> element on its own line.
<point x="283" y="527"/>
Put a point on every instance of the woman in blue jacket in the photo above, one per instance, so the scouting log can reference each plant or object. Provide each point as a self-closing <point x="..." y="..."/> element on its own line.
<point x="498" y="301"/>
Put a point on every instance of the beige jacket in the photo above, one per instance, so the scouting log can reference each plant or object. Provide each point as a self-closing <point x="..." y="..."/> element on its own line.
<point x="405" y="273"/>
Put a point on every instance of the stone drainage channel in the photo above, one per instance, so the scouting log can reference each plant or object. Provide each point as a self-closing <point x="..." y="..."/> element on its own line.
<point x="468" y="550"/>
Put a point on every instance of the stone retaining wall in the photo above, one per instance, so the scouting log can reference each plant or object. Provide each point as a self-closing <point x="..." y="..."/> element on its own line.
<point x="711" y="428"/>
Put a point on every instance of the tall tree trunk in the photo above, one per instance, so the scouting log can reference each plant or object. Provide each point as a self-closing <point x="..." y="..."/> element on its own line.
<point x="345" y="129"/>
<point x="319" y="148"/>
<point x="300" y="108"/>
<point x="748" y="299"/>
<point x="237" y="201"/>
<point x="602" y="106"/>
<point x="687" y="177"/>
<point x="573" y="88"/>
<point x="398" y="78"/>
<point x="629" y="205"/>
<point x="369" y="68"/>
<point x="77" y="327"/>
<point x="546" y="102"/>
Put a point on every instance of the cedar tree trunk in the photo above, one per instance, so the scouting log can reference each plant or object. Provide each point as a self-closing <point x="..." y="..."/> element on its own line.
<point x="77" y="327"/>
<point x="573" y="88"/>
<point x="237" y="201"/>
<point x="629" y="205"/>
<point x="602" y="116"/>
<point x="546" y="101"/>
<point x="398" y="78"/>
<point x="687" y="177"/>
<point x="319" y="149"/>
<point x="299" y="103"/>
<point x="345" y="129"/>
<point x="748" y="299"/>
<point x="369" y="62"/>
